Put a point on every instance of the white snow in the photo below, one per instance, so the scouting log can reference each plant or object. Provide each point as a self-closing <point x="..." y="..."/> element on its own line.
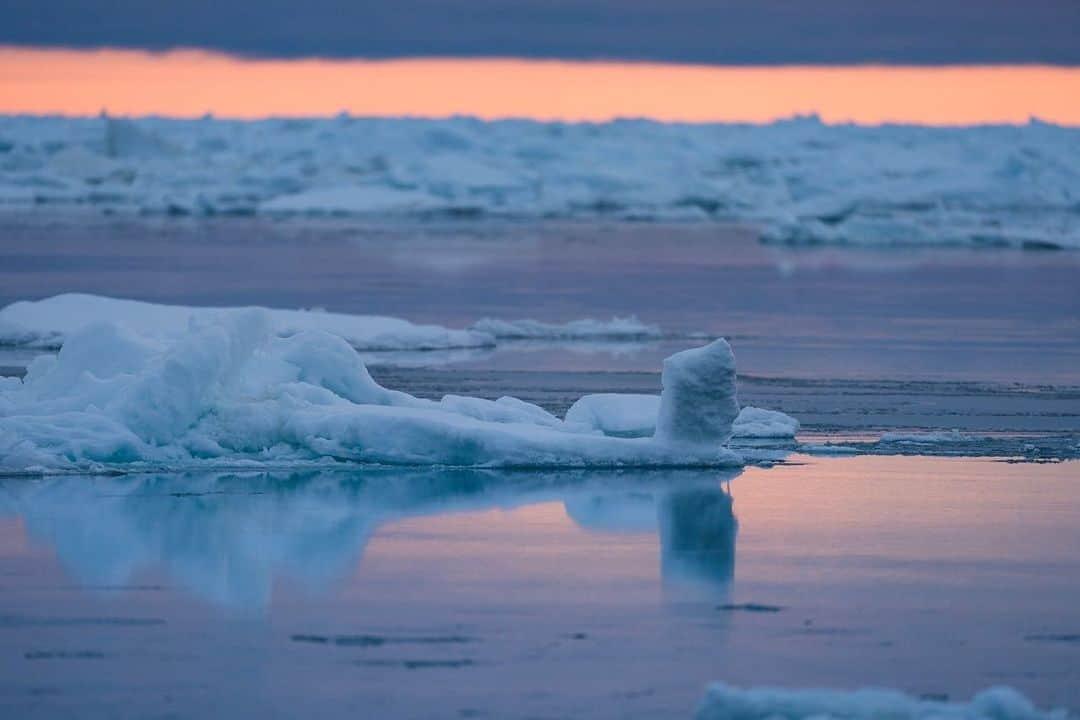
<point x="756" y="422"/>
<point x="46" y="323"/>
<point x="618" y="328"/>
<point x="698" y="403"/>
<point x="800" y="181"/>
<point x="230" y="388"/>
<point x="619" y="414"/>
<point x="631" y="415"/>
<point x="724" y="702"/>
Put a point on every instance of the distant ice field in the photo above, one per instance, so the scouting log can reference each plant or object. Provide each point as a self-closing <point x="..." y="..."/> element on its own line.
<point x="795" y="182"/>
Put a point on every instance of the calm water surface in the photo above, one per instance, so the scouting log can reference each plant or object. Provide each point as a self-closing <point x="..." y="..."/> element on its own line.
<point x="814" y="313"/>
<point x="420" y="594"/>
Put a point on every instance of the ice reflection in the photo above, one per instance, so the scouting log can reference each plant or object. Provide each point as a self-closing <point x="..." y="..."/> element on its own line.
<point x="697" y="540"/>
<point x="228" y="538"/>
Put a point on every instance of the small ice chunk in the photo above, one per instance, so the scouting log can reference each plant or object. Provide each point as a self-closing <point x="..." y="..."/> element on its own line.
<point x="724" y="702"/>
<point x="698" y="403"/>
<point x="619" y="414"/>
<point x="631" y="415"/>
<point x="754" y="422"/>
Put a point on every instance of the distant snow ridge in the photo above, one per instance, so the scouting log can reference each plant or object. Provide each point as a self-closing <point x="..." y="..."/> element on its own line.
<point x="724" y="702"/>
<point x="800" y="181"/>
<point x="618" y="328"/>
<point x="230" y="389"/>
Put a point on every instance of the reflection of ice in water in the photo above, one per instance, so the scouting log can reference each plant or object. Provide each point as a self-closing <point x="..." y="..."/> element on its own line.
<point x="697" y="539"/>
<point x="696" y="524"/>
<point x="228" y="538"/>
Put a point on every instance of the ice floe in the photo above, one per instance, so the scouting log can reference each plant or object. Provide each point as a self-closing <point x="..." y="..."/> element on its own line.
<point x="633" y="415"/>
<point x="618" y="328"/>
<point x="46" y="323"/>
<point x="800" y="181"/>
<point x="231" y="389"/>
<point x="725" y="702"/>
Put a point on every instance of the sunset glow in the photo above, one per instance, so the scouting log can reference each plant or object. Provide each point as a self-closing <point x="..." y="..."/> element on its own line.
<point x="191" y="83"/>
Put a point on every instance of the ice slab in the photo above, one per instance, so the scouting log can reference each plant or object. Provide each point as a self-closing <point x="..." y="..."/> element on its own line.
<point x="632" y="415"/>
<point x="799" y="181"/>
<point x="724" y="702"/>
<point x="47" y="323"/>
<point x="229" y="388"/>
<point x="618" y="328"/>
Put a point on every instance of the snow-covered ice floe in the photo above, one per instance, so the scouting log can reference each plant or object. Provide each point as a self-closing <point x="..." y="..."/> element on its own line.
<point x="231" y="390"/>
<point x="46" y="323"/>
<point x="724" y="702"/>
<point x="801" y="181"/>
<point x="632" y="415"/>
<point x="618" y="328"/>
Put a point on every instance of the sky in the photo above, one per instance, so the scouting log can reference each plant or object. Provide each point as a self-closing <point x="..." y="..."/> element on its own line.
<point x="740" y="32"/>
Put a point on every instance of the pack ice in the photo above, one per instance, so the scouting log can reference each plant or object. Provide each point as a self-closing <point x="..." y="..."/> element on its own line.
<point x="232" y="390"/>
<point x="799" y="181"/>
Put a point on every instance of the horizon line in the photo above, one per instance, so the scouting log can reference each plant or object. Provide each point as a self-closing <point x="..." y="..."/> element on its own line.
<point x="195" y="82"/>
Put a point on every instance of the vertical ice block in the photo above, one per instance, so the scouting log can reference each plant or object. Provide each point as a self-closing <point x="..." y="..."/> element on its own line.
<point x="698" y="403"/>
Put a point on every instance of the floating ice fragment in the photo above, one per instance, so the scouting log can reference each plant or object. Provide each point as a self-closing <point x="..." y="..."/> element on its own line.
<point x="46" y="323"/>
<point x="618" y="328"/>
<point x="724" y="702"/>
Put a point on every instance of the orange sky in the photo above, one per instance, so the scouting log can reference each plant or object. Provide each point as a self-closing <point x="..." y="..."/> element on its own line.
<point x="191" y="83"/>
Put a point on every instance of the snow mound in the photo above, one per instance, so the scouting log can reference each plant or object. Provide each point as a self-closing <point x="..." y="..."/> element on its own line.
<point x="800" y="181"/>
<point x="47" y="323"/>
<point x="756" y="422"/>
<point x="618" y="328"/>
<point x="631" y="415"/>
<point x="231" y="389"/>
<point x="724" y="702"/>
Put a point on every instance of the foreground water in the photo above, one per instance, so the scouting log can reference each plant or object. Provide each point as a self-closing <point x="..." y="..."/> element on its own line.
<point x="422" y="594"/>
<point x="455" y="593"/>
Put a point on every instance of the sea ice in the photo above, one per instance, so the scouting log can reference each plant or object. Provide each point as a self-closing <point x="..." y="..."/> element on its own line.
<point x="724" y="702"/>
<point x="47" y="323"/>
<point x="754" y="422"/>
<point x="618" y="328"/>
<point x="698" y="402"/>
<point x="799" y="181"/>
<point x="231" y="388"/>
<point x="632" y="415"/>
